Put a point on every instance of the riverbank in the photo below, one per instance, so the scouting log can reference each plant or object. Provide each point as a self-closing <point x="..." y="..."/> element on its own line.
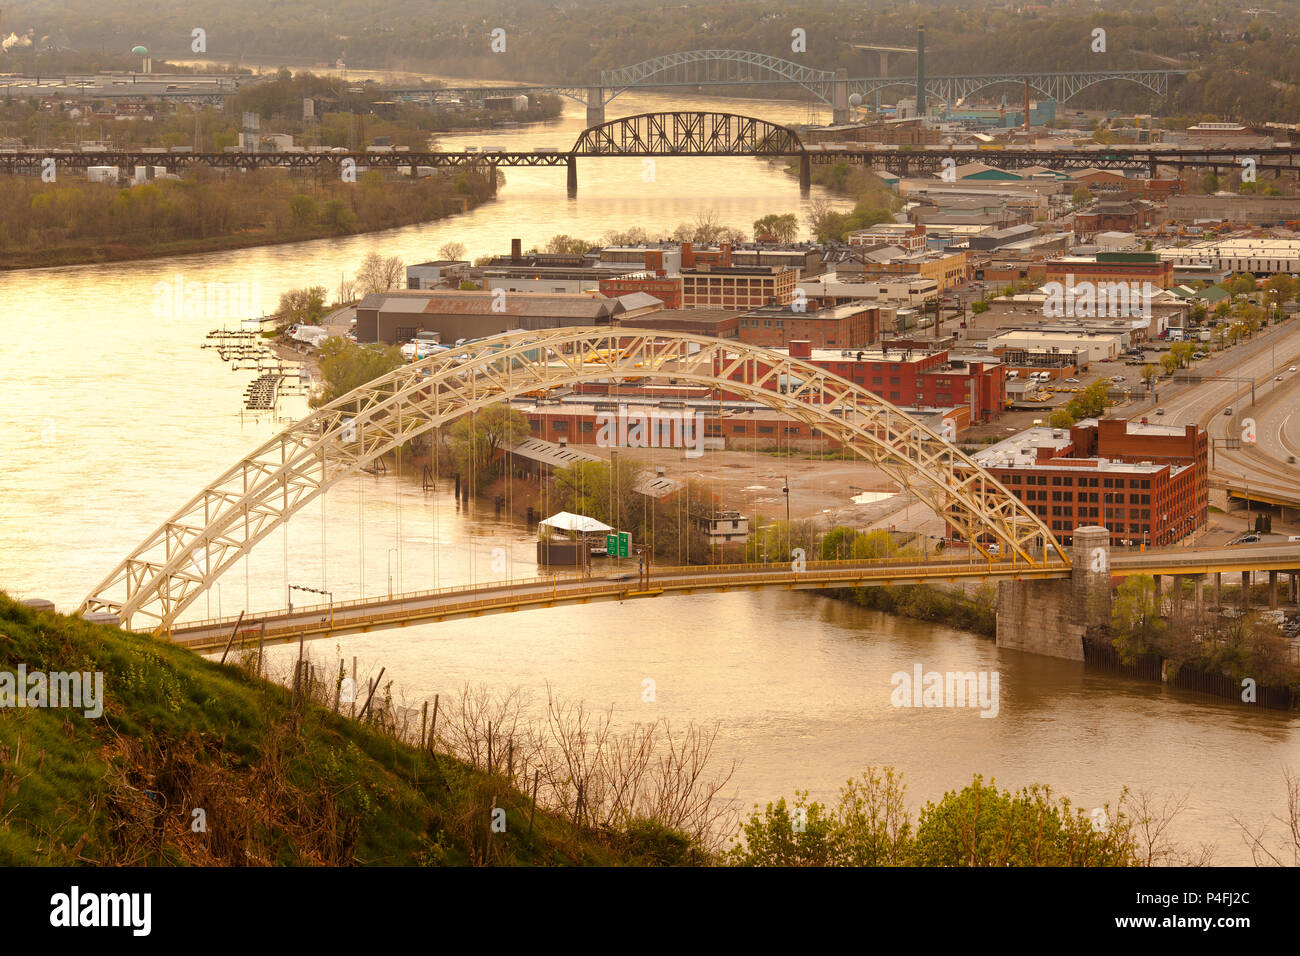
<point x="204" y="212"/>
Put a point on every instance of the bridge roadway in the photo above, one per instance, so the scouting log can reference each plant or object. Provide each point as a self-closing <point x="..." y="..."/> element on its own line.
<point x="371" y="614"/>
<point x="1264" y="465"/>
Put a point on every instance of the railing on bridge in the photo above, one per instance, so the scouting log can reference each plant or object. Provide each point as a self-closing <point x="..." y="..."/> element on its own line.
<point x="669" y="577"/>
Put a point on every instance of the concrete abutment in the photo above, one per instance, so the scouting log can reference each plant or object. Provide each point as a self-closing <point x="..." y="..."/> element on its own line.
<point x="1052" y="617"/>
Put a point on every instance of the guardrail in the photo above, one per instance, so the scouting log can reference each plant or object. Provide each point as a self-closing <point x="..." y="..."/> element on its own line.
<point x="827" y="573"/>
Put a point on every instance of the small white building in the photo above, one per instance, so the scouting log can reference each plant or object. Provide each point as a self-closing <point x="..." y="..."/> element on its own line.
<point x="727" y="527"/>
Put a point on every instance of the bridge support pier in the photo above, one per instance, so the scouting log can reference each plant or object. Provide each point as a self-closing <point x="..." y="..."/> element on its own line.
<point x="595" y="106"/>
<point x="1160" y="592"/>
<point x="492" y="179"/>
<point x="571" y="165"/>
<point x="1272" y="590"/>
<point x="1052" y="617"/>
<point x="1218" y="587"/>
<point x="840" y="97"/>
<point x="805" y="174"/>
<point x="1246" y="577"/>
<point x="1198" y="591"/>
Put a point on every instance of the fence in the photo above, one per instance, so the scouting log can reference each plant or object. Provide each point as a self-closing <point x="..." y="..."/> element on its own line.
<point x="1099" y="654"/>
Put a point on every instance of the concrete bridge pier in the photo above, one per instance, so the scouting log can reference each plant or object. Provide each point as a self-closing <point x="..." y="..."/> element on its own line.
<point x="805" y="174"/>
<point x="1052" y="617"/>
<point x="1272" y="590"/>
<point x="1218" y="587"/>
<point x="1245" y="590"/>
<point x="492" y="179"/>
<point x="595" y="105"/>
<point x="1198" y="590"/>
<point x="840" y="97"/>
<point x="572" y="167"/>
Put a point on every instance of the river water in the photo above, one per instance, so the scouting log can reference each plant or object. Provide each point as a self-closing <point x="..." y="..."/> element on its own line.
<point x="116" y="417"/>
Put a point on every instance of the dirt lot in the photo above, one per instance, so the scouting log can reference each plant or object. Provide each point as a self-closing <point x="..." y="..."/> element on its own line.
<point x="751" y="482"/>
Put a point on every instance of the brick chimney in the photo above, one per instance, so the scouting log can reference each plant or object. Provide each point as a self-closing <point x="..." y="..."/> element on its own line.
<point x="688" y="256"/>
<point x="801" y="348"/>
<point x="724" y="253"/>
<point x="654" y="261"/>
<point x="516" y="251"/>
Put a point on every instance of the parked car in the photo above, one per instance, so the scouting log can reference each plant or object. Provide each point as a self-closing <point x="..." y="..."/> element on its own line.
<point x="1160" y="411"/>
<point x="1228" y="410"/>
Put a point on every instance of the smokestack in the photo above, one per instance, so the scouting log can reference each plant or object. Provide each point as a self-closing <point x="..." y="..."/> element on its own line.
<point x="516" y="251"/>
<point x="920" y="71"/>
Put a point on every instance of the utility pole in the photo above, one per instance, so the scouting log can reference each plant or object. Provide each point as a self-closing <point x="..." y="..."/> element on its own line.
<point x="785" y="490"/>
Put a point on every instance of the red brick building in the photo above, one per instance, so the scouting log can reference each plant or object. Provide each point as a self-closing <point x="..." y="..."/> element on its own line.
<point x="667" y="289"/>
<point x="916" y="379"/>
<point x="1113" y="216"/>
<point x="838" y="326"/>
<point x="1146" y="483"/>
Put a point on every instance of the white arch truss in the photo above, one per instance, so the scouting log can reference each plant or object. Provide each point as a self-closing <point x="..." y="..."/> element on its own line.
<point x="171" y="568"/>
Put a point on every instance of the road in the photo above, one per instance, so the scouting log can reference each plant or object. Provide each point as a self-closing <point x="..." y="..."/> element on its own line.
<point x="401" y="610"/>
<point x="1274" y="411"/>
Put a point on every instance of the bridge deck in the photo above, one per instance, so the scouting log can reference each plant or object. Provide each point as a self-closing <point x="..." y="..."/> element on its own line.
<point x="476" y="600"/>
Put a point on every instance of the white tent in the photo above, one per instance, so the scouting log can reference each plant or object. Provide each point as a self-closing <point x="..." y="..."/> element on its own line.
<point x="565" y="521"/>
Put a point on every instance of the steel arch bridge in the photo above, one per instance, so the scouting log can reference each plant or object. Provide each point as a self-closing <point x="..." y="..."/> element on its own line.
<point x="687" y="134"/>
<point x="694" y="67"/>
<point x="1060" y="87"/>
<point x="171" y="568"/>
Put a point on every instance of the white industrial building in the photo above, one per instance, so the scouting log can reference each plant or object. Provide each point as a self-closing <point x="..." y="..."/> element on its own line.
<point x="1267" y="256"/>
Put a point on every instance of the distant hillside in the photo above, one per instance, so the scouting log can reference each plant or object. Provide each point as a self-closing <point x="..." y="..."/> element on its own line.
<point x="1236" y="55"/>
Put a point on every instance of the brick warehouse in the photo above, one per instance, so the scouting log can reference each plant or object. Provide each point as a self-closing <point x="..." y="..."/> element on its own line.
<point x="914" y="379"/>
<point x="1146" y="483"/>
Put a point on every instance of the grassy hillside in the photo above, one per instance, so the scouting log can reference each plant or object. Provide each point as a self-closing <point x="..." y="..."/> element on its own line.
<point x="278" y="783"/>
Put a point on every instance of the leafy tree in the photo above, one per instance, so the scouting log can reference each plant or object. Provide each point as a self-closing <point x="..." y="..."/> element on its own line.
<point x="869" y="827"/>
<point x="980" y="306"/>
<point x="1168" y="362"/>
<point x="984" y="826"/>
<point x="302" y="305"/>
<point x="1082" y="196"/>
<point x="346" y="366"/>
<point x="873" y="545"/>
<point x="479" y="441"/>
<point x="1149" y="374"/>
<point x="779" y="837"/>
<point x="837" y="544"/>
<point x="1135" y="622"/>
<point x="304" y="210"/>
<point x="1062" y="417"/>
<point x="567" y="245"/>
<point x="780" y="227"/>
<point x="1243" y="283"/>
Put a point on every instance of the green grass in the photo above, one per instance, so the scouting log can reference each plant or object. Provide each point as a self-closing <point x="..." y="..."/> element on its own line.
<point x="279" y="783"/>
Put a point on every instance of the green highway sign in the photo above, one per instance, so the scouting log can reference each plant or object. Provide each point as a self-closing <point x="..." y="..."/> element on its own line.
<point x="624" y="543"/>
<point x="611" y="544"/>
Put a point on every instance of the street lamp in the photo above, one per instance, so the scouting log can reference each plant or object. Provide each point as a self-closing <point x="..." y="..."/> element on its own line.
<point x="391" y="552"/>
<point x="217" y="585"/>
<point x="302" y="587"/>
<point x="785" y="490"/>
